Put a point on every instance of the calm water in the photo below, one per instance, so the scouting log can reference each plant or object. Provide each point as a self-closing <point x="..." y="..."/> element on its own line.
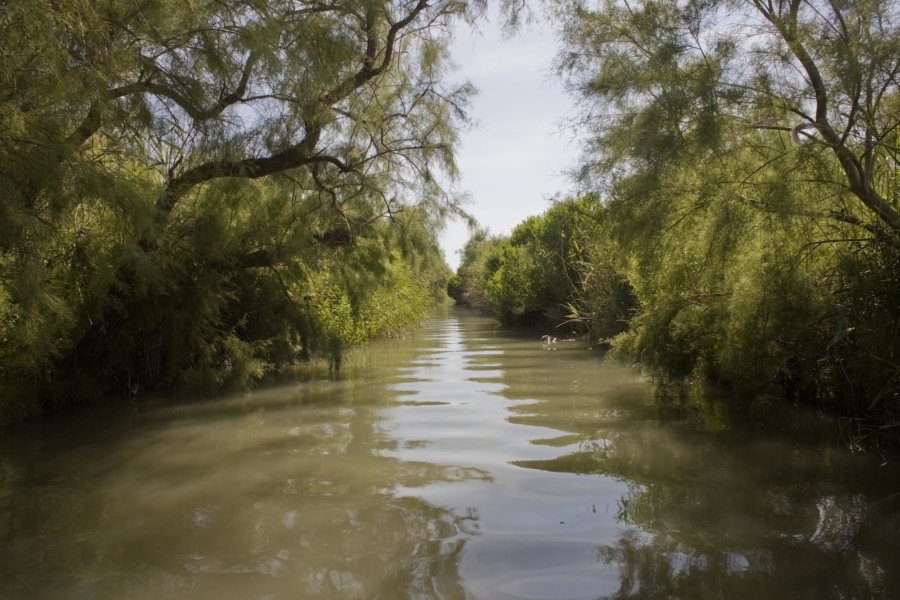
<point x="466" y="462"/>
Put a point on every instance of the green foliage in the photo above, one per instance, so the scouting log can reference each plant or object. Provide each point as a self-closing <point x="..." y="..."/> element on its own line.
<point x="747" y="154"/>
<point x="398" y="303"/>
<point x="195" y="192"/>
<point x="536" y="278"/>
<point x="557" y="267"/>
<point x="605" y="302"/>
<point x="479" y="261"/>
<point x="860" y="372"/>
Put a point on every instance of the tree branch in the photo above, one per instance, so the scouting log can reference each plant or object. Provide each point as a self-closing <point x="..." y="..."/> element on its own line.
<point x="250" y="168"/>
<point x="303" y="153"/>
<point x="197" y="113"/>
<point x="334" y="238"/>
<point x="369" y="69"/>
<point x="873" y="228"/>
<point x="853" y="169"/>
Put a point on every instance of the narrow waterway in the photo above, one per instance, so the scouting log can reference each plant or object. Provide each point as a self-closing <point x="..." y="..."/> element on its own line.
<point x="464" y="462"/>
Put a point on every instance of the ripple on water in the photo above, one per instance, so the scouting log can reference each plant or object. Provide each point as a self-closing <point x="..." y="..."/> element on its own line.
<point x="518" y="567"/>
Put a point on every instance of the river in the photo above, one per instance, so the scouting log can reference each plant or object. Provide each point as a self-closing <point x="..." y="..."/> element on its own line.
<point x="463" y="462"/>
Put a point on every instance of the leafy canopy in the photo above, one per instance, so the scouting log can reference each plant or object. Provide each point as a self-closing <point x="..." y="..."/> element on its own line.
<point x="189" y="186"/>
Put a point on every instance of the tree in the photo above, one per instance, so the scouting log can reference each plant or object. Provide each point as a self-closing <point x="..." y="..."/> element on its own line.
<point x="194" y="92"/>
<point x="479" y="260"/>
<point x="748" y="152"/>
<point x="167" y="168"/>
<point x="553" y="268"/>
<point x="537" y="277"/>
<point x="700" y="77"/>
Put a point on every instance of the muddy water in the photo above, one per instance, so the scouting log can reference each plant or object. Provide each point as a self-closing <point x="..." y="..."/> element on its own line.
<point x="466" y="462"/>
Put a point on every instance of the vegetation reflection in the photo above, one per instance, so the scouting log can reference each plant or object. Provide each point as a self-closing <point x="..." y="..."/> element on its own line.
<point x="285" y="493"/>
<point x="716" y="506"/>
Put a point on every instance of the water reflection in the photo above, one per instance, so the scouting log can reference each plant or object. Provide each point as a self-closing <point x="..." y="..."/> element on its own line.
<point x="259" y="497"/>
<point x="466" y="462"/>
<point x="717" y="506"/>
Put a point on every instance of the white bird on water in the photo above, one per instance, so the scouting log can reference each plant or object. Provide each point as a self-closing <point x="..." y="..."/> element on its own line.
<point x="549" y="339"/>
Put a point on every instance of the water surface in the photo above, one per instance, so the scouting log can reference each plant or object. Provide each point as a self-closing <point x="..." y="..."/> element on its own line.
<point x="464" y="462"/>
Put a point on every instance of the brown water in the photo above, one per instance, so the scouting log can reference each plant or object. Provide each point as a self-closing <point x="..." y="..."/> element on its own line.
<point x="466" y="462"/>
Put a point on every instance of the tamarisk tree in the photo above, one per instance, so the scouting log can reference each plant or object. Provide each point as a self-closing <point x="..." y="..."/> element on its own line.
<point x="159" y="157"/>
<point x="748" y="153"/>
<point x="659" y="79"/>
<point x="191" y="92"/>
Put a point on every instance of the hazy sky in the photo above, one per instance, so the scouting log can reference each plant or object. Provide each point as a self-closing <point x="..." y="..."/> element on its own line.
<point x="512" y="162"/>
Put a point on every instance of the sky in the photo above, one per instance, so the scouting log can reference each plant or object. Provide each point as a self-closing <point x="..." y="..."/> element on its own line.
<point x="512" y="162"/>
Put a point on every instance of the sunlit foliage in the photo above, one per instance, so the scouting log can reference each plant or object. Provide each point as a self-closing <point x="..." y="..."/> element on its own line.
<point x="553" y="268"/>
<point x="196" y="191"/>
<point x="747" y="154"/>
<point x="479" y="260"/>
